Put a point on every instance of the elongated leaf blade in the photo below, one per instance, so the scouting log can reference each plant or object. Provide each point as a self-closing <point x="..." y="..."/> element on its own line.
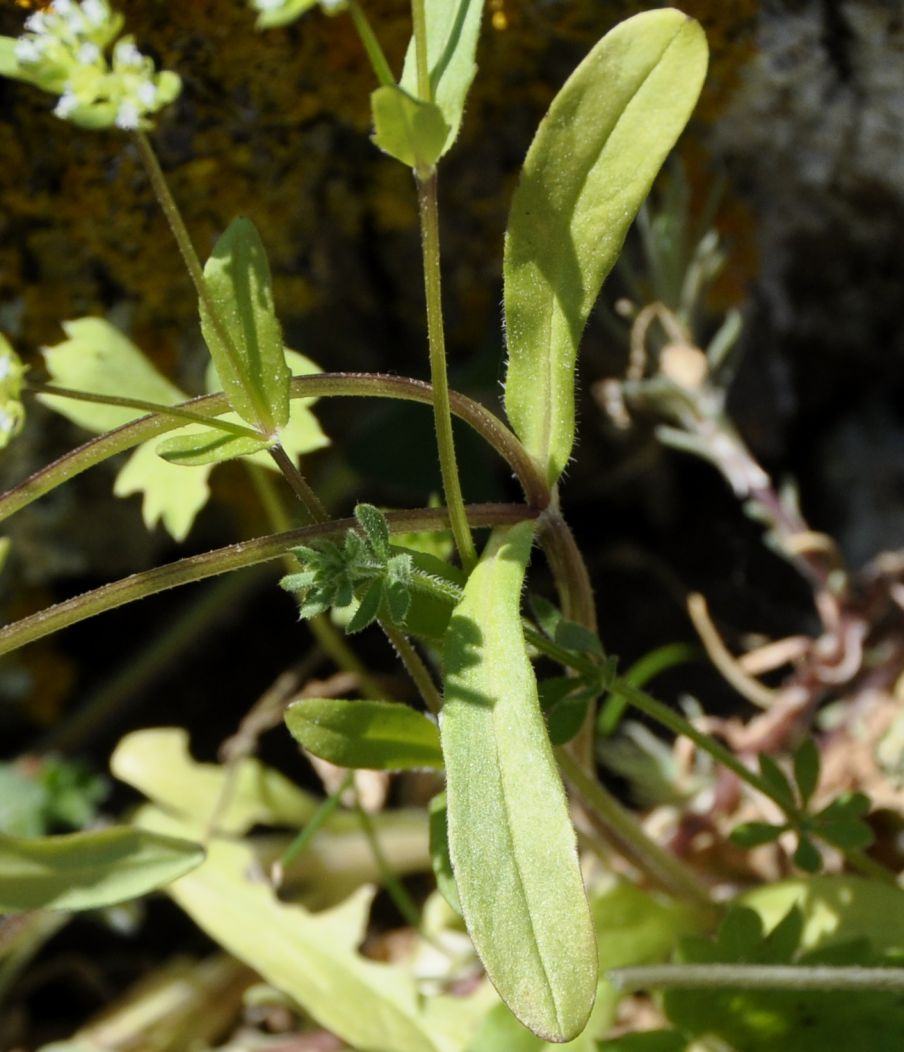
<point x="253" y="369"/>
<point x="84" y="871"/>
<point x="379" y="735"/>
<point x="453" y="27"/>
<point x="210" y="445"/>
<point x="587" y="172"/>
<point x="510" y="838"/>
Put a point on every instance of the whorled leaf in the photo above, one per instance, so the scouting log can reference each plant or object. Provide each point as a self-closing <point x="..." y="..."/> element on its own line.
<point x="587" y="172"/>
<point x="378" y="735"/>
<point x="453" y="27"/>
<point x="84" y="871"/>
<point x="510" y="837"/>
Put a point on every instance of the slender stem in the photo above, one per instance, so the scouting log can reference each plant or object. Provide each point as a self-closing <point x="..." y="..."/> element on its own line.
<point x="313" y="827"/>
<point x="359" y="385"/>
<point x="196" y="273"/>
<point x="419" y="25"/>
<point x="442" y="413"/>
<point x="371" y="44"/>
<point x="415" y="667"/>
<point x="757" y="977"/>
<point x="299" y="483"/>
<point x="182" y="415"/>
<point x="394" y="887"/>
<point x="666" y="869"/>
<point x="221" y="560"/>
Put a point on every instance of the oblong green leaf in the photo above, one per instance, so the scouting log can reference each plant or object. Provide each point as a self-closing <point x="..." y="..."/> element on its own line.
<point x="210" y="445"/>
<point x="379" y="735"/>
<point x="251" y="365"/>
<point x="85" y="871"/>
<point x="510" y="838"/>
<point x="453" y="27"/>
<point x="588" y="170"/>
<point x="412" y="131"/>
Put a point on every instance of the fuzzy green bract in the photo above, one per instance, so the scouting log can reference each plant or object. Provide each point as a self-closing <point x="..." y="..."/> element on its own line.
<point x="407" y="128"/>
<point x="84" y="871"/>
<point x="378" y="735"/>
<point x="251" y="362"/>
<point x="588" y="170"/>
<point x="453" y="27"/>
<point x="510" y="838"/>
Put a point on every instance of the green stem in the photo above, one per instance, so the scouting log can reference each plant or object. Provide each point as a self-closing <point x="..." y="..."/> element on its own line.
<point x="222" y="560"/>
<point x="299" y="483"/>
<point x="394" y="887"/>
<point x="668" y="871"/>
<point x="371" y="45"/>
<point x="317" y="822"/>
<point x="442" y="413"/>
<point x="184" y="416"/>
<point x="419" y="26"/>
<point x="415" y="667"/>
<point x="757" y="977"/>
<point x="196" y="273"/>
<point x="681" y="726"/>
<point x="358" y="385"/>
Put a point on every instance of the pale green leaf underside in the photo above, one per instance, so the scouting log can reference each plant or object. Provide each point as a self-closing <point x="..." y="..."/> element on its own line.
<point x="207" y="446"/>
<point x="378" y="735"/>
<point x="170" y="494"/>
<point x="83" y="871"/>
<point x="588" y="170"/>
<point x="255" y="377"/>
<point x="412" y="131"/>
<point x="510" y="838"/>
<point x="453" y="27"/>
<point x="313" y="957"/>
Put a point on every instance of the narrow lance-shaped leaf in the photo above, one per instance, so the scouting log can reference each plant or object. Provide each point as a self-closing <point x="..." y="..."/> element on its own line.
<point x="84" y="871"/>
<point x="587" y="172"/>
<point x="510" y="838"/>
<point x="453" y="27"/>
<point x="379" y="735"/>
<point x="251" y="363"/>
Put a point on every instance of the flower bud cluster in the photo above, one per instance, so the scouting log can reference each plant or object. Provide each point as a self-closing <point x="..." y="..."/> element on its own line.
<point x="280" y="12"/>
<point x="12" y="412"/>
<point x="65" y="51"/>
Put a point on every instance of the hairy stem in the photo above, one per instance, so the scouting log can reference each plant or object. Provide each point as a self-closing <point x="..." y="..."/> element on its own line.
<point x="757" y="977"/>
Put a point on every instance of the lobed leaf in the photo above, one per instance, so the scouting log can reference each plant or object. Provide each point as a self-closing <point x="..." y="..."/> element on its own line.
<point x="453" y="27"/>
<point x="84" y="871"/>
<point x="252" y="363"/>
<point x="589" y="168"/>
<point x="380" y="735"/>
<point x="510" y="838"/>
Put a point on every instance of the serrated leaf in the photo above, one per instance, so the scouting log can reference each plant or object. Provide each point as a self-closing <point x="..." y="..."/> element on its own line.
<point x="453" y="27"/>
<point x="313" y="957"/>
<point x="96" y="357"/>
<point x="521" y="893"/>
<point x="776" y="779"/>
<point x="439" y="852"/>
<point x="589" y="168"/>
<point x="380" y="735"/>
<point x="806" y="769"/>
<point x="412" y="131"/>
<point x="252" y="363"/>
<point x="754" y="834"/>
<point x="210" y="445"/>
<point x="84" y="871"/>
<point x="171" y="495"/>
<point x="157" y="763"/>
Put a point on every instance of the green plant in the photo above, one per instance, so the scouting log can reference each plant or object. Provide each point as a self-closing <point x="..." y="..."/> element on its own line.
<point x="502" y="841"/>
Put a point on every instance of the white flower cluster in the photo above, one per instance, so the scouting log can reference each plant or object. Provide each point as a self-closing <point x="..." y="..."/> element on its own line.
<point x="280" y="12"/>
<point x="64" y="50"/>
<point x="12" y="412"/>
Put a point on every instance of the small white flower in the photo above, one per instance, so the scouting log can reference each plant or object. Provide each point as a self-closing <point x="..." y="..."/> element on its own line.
<point x="68" y="104"/>
<point x="88" y="53"/>
<point x="147" y="94"/>
<point x="128" y="55"/>
<point x="63" y="7"/>
<point x="127" y="116"/>
<point x="95" y="11"/>
<point x="28" y="50"/>
<point x="36" y="23"/>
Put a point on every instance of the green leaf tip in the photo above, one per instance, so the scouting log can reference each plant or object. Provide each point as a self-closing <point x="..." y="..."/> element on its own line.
<point x="511" y="841"/>
<point x="587" y="172"/>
